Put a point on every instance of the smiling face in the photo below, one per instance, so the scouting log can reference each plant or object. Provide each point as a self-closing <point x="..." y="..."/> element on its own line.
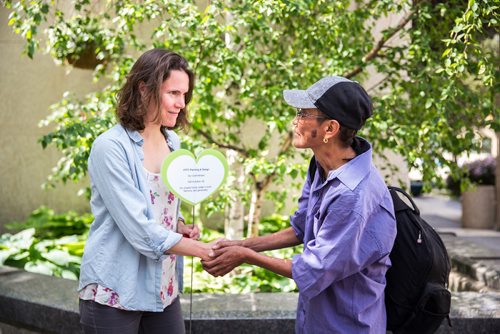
<point x="308" y="128"/>
<point x="172" y="99"/>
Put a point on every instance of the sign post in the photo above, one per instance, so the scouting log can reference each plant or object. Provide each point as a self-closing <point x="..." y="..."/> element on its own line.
<point x="193" y="179"/>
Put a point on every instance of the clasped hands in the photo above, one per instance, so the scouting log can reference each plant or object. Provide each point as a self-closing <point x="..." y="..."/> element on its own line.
<point x="224" y="256"/>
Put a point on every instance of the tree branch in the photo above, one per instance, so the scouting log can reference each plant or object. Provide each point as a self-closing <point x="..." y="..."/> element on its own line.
<point x="374" y="52"/>
<point x="378" y="83"/>
<point x="211" y="140"/>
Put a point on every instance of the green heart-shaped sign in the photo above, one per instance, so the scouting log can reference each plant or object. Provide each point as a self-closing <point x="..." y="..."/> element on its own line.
<point x="194" y="179"/>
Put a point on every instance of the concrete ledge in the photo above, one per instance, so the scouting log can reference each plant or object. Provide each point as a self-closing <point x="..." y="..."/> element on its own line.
<point x="478" y="270"/>
<point x="38" y="302"/>
<point x="44" y="304"/>
<point x="475" y="260"/>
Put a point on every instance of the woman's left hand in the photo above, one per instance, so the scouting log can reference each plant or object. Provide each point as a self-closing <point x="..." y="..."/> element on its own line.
<point x="188" y="231"/>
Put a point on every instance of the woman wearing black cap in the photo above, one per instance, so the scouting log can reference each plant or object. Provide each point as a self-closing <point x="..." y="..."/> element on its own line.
<point x="345" y="218"/>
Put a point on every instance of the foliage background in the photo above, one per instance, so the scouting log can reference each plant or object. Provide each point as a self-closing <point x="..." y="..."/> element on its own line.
<point x="437" y="91"/>
<point x="439" y="67"/>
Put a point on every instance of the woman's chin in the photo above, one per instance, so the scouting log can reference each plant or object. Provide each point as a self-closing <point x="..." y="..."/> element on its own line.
<point x="297" y="144"/>
<point x="169" y="123"/>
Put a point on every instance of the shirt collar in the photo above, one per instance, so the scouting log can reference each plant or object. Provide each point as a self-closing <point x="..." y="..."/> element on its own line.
<point x="355" y="170"/>
<point x="135" y="136"/>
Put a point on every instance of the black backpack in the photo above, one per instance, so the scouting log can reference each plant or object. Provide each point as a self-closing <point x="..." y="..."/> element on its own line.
<point x="416" y="295"/>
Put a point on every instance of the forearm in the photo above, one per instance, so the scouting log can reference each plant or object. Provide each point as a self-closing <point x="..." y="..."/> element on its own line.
<point x="278" y="240"/>
<point x="191" y="247"/>
<point x="279" y="266"/>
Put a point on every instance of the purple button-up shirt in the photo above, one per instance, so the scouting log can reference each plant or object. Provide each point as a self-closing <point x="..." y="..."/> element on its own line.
<point x="347" y="225"/>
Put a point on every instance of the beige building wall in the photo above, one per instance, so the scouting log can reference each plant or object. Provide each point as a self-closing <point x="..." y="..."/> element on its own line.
<point x="27" y="89"/>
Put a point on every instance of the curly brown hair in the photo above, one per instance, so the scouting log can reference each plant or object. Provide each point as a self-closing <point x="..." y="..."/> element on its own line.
<point x="152" y="68"/>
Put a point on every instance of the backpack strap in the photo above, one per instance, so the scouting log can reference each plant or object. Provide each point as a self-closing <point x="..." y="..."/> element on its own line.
<point x="312" y="168"/>
<point x="399" y="204"/>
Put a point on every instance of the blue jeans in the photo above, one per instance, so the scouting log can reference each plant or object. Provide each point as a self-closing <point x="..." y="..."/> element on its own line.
<point x="100" y="319"/>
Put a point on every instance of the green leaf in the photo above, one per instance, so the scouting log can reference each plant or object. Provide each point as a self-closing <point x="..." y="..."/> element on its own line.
<point x="40" y="267"/>
<point x="433" y="96"/>
<point x="59" y="257"/>
<point x="482" y="69"/>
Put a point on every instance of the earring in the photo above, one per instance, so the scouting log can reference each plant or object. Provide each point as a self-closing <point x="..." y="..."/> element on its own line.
<point x="325" y="140"/>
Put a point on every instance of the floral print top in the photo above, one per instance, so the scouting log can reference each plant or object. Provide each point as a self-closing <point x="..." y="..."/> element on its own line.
<point x="164" y="205"/>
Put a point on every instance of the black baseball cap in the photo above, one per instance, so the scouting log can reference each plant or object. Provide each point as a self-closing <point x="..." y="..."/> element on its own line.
<point x="337" y="97"/>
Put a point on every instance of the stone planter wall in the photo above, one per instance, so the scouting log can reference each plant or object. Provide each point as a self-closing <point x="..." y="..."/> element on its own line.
<point x="478" y="207"/>
<point x="35" y="304"/>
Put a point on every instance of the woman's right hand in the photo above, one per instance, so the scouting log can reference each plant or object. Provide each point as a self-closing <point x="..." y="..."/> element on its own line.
<point x="188" y="231"/>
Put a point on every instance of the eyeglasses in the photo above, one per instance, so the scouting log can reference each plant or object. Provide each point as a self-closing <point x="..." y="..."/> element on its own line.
<point x="301" y="114"/>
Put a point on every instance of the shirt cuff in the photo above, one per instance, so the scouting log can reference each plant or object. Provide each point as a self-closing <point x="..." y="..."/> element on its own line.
<point x="172" y="239"/>
<point x="303" y="277"/>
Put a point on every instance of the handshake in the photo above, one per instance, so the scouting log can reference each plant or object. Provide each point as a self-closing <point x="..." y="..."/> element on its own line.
<point x="225" y="255"/>
<point x="221" y="256"/>
<point x="217" y="257"/>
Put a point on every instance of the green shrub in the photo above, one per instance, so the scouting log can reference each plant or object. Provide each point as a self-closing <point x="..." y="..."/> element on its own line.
<point x="49" y="225"/>
<point x="49" y="243"/>
<point x="52" y="244"/>
<point x="478" y="172"/>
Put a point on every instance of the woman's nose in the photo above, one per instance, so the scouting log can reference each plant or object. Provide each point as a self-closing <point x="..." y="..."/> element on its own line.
<point x="180" y="102"/>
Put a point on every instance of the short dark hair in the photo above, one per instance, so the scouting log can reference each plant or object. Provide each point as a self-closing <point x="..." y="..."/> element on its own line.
<point x="153" y="67"/>
<point x="346" y="135"/>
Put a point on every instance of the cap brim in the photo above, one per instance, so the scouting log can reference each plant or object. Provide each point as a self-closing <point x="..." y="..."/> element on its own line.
<point x="298" y="99"/>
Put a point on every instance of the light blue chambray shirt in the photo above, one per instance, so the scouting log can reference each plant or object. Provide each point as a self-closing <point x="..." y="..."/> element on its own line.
<point x="348" y="227"/>
<point x="125" y="247"/>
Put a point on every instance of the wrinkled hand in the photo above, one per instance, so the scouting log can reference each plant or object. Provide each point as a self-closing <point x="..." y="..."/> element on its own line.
<point x="225" y="258"/>
<point x="212" y="245"/>
<point x="188" y="231"/>
<point x="222" y="242"/>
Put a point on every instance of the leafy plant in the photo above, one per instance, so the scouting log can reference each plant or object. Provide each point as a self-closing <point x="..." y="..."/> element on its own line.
<point x="477" y="172"/>
<point x="50" y="244"/>
<point x="273" y="223"/>
<point x="49" y="225"/>
<point x="482" y="171"/>
<point x="48" y="257"/>
<point x="82" y="41"/>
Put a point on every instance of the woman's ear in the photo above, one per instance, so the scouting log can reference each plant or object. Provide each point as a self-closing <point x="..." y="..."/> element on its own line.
<point x="333" y="126"/>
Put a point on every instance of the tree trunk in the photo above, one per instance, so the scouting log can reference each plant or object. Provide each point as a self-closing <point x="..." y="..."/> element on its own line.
<point x="255" y="211"/>
<point x="234" y="216"/>
<point x="235" y="212"/>
<point x="234" y="221"/>
<point x="258" y="192"/>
